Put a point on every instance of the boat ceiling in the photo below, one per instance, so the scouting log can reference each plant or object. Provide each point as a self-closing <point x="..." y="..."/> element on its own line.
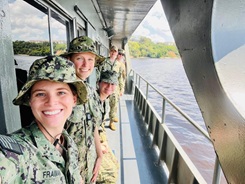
<point x="124" y="16"/>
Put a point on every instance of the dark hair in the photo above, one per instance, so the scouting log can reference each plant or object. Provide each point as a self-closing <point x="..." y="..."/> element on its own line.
<point x="73" y="89"/>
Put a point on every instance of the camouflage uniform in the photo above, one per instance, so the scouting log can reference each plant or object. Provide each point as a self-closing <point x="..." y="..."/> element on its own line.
<point x="81" y="127"/>
<point x="27" y="156"/>
<point x="108" y="172"/>
<point x="85" y="118"/>
<point x="116" y="66"/>
<point x="123" y="64"/>
<point x="37" y="161"/>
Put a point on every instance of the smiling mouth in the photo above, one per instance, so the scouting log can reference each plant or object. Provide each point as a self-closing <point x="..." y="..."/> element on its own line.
<point x="52" y="112"/>
<point x="84" y="70"/>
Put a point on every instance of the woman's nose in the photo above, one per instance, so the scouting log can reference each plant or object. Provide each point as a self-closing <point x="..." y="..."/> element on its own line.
<point x="51" y="99"/>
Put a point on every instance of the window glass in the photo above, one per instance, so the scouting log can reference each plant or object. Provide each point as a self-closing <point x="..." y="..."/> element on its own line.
<point x="29" y="33"/>
<point x="58" y="33"/>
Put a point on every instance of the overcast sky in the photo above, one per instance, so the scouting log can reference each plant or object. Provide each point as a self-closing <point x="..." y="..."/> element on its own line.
<point x="155" y="25"/>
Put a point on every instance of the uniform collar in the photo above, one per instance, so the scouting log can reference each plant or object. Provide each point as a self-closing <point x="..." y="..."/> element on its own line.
<point x="45" y="148"/>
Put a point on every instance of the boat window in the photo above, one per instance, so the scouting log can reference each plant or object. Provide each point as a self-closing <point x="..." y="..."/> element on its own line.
<point x="103" y="50"/>
<point x="81" y="31"/>
<point x="31" y="36"/>
<point x="29" y="33"/>
<point x="58" y="33"/>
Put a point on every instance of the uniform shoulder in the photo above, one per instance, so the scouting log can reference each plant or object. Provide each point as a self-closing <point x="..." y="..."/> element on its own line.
<point x="9" y="144"/>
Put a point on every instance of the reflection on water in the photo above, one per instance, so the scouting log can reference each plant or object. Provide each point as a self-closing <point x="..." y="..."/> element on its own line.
<point x="168" y="76"/>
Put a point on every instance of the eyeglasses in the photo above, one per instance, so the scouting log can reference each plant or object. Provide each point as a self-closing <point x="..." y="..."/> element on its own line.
<point x="121" y="54"/>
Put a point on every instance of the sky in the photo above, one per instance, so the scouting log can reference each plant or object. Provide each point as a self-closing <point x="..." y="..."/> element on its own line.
<point x="32" y="24"/>
<point x="155" y="25"/>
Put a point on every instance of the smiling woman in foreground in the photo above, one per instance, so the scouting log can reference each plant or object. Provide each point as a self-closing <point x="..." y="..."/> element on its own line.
<point x="43" y="152"/>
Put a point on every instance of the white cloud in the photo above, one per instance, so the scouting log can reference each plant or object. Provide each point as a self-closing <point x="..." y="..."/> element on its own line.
<point x="155" y="25"/>
<point x="32" y="24"/>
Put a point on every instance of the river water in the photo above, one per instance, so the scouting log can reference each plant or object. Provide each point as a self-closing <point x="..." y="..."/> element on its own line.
<point x="168" y="76"/>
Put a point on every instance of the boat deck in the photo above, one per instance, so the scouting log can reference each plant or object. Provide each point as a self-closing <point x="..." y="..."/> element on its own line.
<point x="132" y="146"/>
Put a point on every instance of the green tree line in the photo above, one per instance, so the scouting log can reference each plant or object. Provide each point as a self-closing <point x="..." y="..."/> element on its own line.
<point x="36" y="49"/>
<point x="145" y="47"/>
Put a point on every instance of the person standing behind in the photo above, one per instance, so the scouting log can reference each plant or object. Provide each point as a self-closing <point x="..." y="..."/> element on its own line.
<point x="108" y="172"/>
<point x="43" y="152"/>
<point x="85" y="119"/>
<point x="112" y="64"/>
<point x="121" y="59"/>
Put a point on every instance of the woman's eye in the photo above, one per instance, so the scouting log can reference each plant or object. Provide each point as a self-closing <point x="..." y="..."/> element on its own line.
<point x="79" y="59"/>
<point x="91" y="60"/>
<point x="39" y="94"/>
<point x="61" y="92"/>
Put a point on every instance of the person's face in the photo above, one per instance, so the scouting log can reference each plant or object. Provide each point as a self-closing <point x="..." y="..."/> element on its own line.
<point x="106" y="89"/>
<point x="120" y="56"/>
<point x="84" y="63"/>
<point x="51" y="103"/>
<point x="113" y="53"/>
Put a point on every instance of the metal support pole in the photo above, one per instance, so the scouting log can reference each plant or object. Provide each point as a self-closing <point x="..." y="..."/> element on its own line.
<point x="217" y="171"/>
<point x="146" y="93"/>
<point x="49" y="31"/>
<point x="163" y="110"/>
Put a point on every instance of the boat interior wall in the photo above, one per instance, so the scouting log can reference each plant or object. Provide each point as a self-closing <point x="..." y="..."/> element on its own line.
<point x="191" y="24"/>
<point x="9" y="114"/>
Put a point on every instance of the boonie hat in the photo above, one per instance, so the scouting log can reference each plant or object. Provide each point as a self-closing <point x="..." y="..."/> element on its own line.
<point x="114" y="47"/>
<point x="83" y="44"/>
<point x="52" y="68"/>
<point x="109" y="77"/>
<point x="121" y="51"/>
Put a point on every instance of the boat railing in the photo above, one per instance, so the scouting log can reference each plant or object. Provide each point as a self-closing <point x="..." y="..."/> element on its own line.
<point x="180" y="167"/>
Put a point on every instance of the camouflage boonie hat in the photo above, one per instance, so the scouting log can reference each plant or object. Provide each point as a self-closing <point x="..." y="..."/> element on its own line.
<point x="52" y="68"/>
<point x="109" y="77"/>
<point x="83" y="44"/>
<point x="114" y="47"/>
<point x="121" y="51"/>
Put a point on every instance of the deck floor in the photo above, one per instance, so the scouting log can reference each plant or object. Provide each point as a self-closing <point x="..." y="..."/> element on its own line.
<point x="132" y="147"/>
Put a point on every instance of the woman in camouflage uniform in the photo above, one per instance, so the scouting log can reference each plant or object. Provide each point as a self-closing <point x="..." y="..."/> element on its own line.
<point x="85" y="119"/>
<point x="112" y="64"/>
<point x="43" y="152"/>
<point x="108" y="173"/>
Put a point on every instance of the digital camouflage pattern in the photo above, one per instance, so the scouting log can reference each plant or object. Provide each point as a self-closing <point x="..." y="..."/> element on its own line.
<point x="109" y="168"/>
<point x="116" y="67"/>
<point x="83" y="44"/>
<point x="108" y="173"/>
<point x="81" y="126"/>
<point x="114" y="47"/>
<point x="123" y="69"/>
<point x="39" y="162"/>
<point x="109" y="77"/>
<point x="53" y="68"/>
<point x="121" y="51"/>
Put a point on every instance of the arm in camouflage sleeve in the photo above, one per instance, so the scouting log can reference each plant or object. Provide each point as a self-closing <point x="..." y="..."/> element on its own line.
<point x="99" y="155"/>
<point x="8" y="170"/>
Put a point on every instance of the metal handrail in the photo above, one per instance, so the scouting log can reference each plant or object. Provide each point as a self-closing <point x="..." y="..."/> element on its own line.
<point x="137" y="78"/>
